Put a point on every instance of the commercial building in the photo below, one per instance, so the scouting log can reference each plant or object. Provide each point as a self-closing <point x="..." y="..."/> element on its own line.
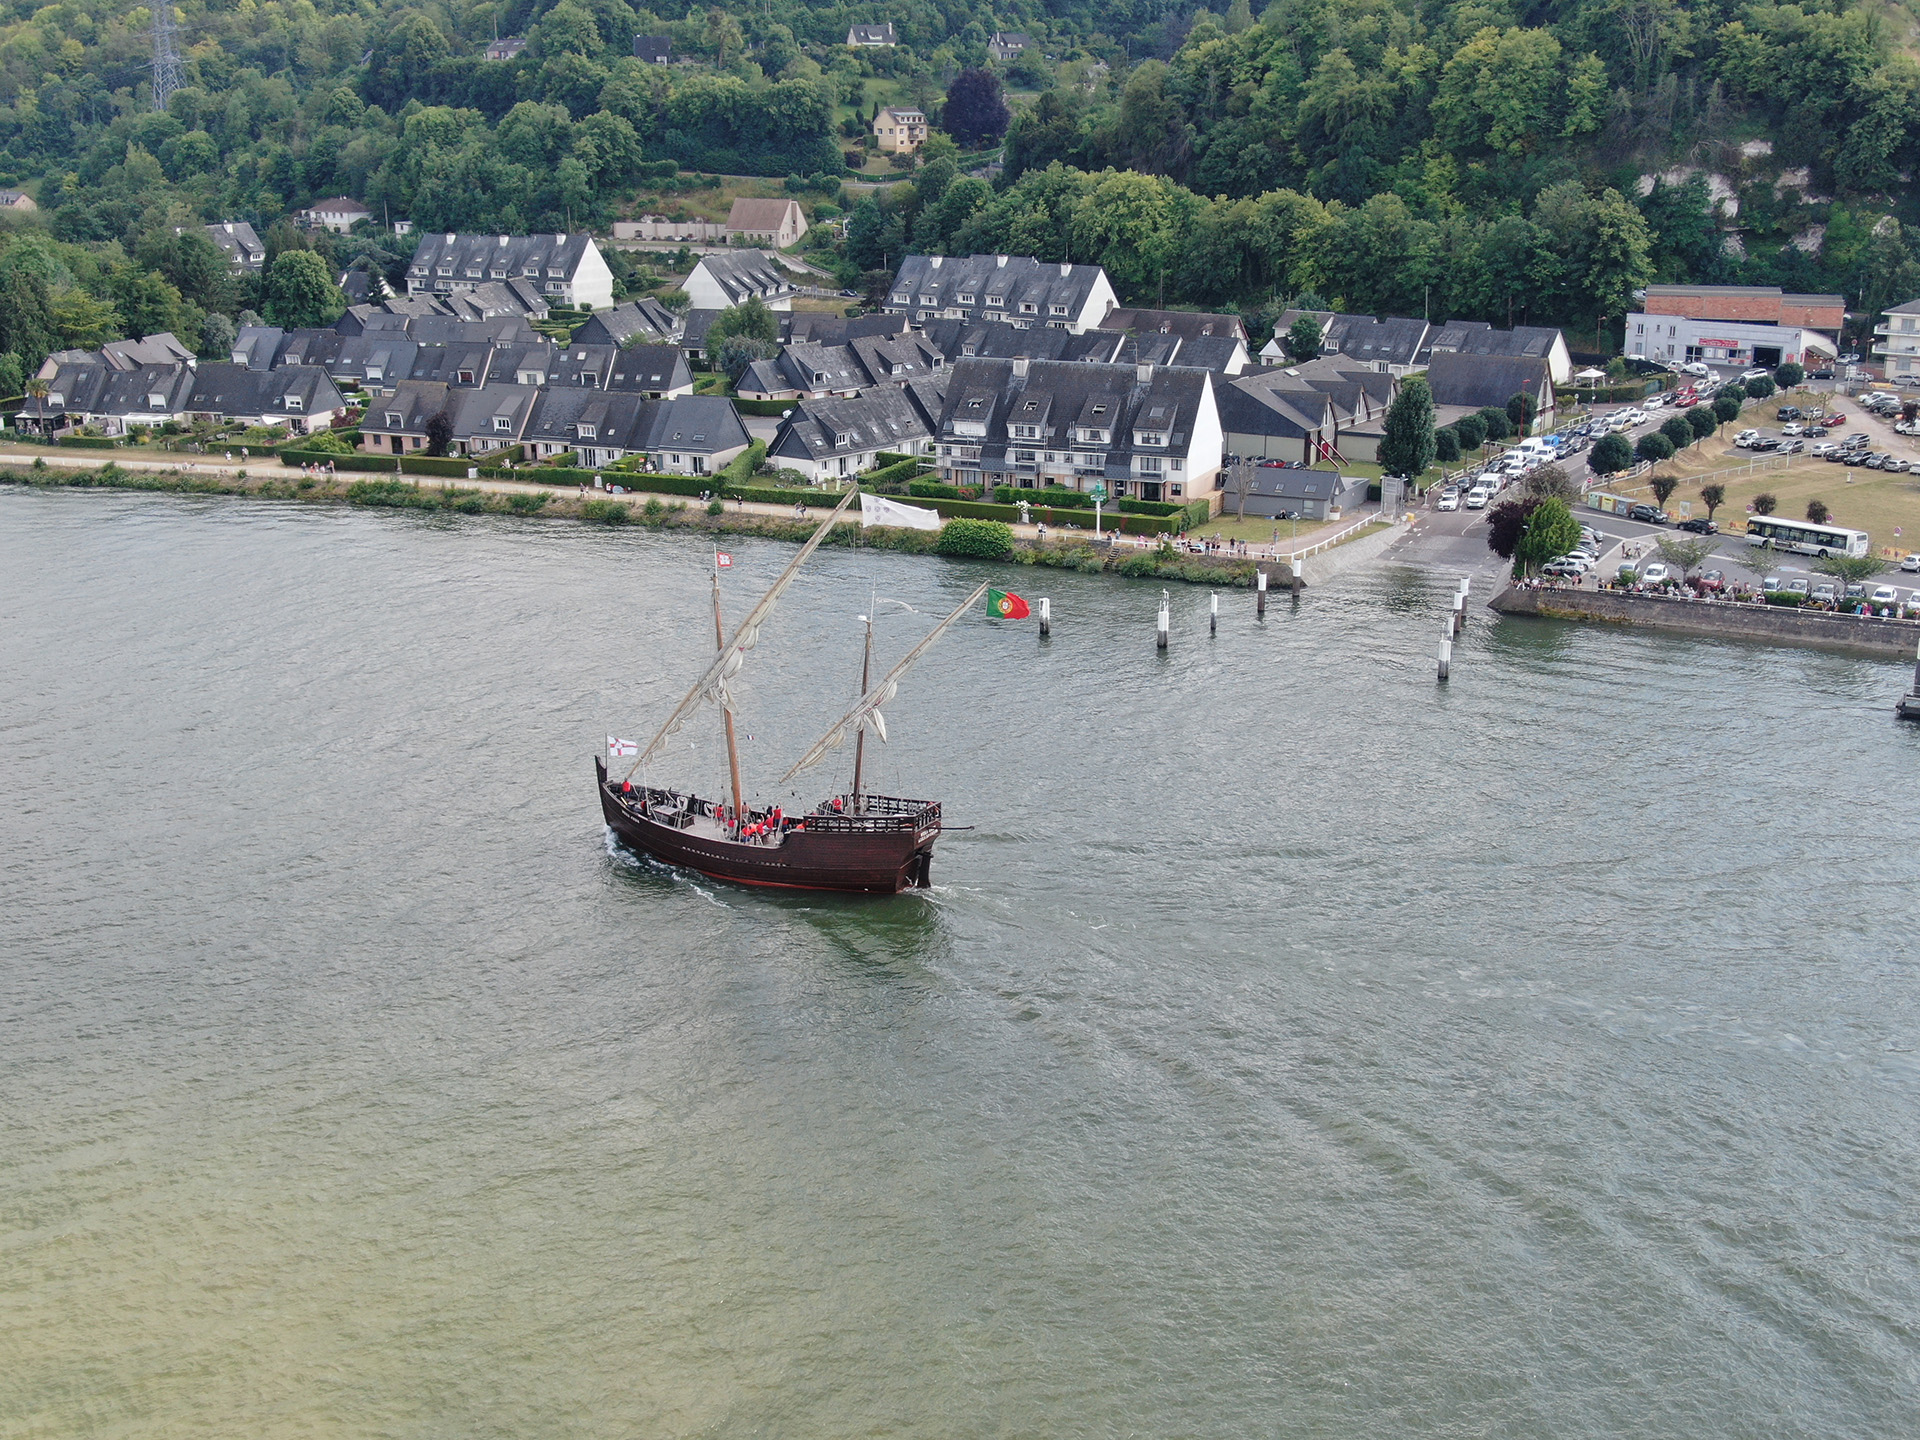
<point x="1734" y="325"/>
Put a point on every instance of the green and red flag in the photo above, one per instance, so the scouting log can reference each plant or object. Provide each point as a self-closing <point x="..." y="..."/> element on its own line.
<point x="1005" y="605"/>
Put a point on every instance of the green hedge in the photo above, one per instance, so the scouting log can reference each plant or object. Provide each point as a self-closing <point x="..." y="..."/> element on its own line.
<point x="455" y="466"/>
<point x="1199" y="512"/>
<point x="1047" y="515"/>
<point x="1055" y="496"/>
<point x="388" y="463"/>
<point x="987" y="539"/>
<point x="933" y="490"/>
<point x="1148" y="507"/>
<point x="890" y="457"/>
<point x="739" y="470"/>
<point x="89" y="442"/>
<point x="763" y="407"/>
<point x="900" y="472"/>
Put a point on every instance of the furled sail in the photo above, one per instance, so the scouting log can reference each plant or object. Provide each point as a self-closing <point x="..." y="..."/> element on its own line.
<point x="712" y="686"/>
<point x="867" y="710"/>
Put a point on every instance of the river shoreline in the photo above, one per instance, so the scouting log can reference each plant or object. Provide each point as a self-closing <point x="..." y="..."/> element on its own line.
<point x="1719" y="619"/>
<point x="652" y="511"/>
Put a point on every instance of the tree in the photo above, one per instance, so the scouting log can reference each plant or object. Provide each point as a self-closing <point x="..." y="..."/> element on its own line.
<point x="1851" y="568"/>
<point x="1494" y="421"/>
<point x="1788" y="375"/>
<point x="750" y="319"/>
<point x="1550" y="482"/>
<point x="1610" y="455"/>
<point x="1817" y="512"/>
<point x="1446" y="445"/>
<point x="1726" y="408"/>
<point x="1760" y="387"/>
<point x="1507" y="523"/>
<point x="723" y="34"/>
<point x="1472" y="431"/>
<point x="1655" y="447"/>
<point x="1678" y="432"/>
<point x="1685" y="554"/>
<point x="440" y="432"/>
<point x="1764" y="503"/>
<point x="1551" y="532"/>
<point x="735" y="353"/>
<point x="1521" y="408"/>
<point x="1406" y="447"/>
<point x="1304" y="338"/>
<point x="298" y="292"/>
<point x="1713" y="496"/>
<point x="217" y="335"/>
<point x="1663" y="487"/>
<point x="1701" y="420"/>
<point x="975" y="113"/>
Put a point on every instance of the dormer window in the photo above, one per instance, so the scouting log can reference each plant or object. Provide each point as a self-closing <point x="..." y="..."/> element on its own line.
<point x="394" y="420"/>
<point x="587" y="432"/>
<point x="463" y="377"/>
<point x="556" y="272"/>
<point x="293" y="402"/>
<point x="929" y="299"/>
<point x="444" y="270"/>
<point x="156" y="402"/>
<point x="499" y="274"/>
<point x="996" y="302"/>
<point x="1056" y="309"/>
<point x="903" y="299"/>
<point x="473" y="274"/>
<point x="530" y="270"/>
<point x="964" y="298"/>
<point x="1149" y="437"/>
<point x="1027" y="307"/>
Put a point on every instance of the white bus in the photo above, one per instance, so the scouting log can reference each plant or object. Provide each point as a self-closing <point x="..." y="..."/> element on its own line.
<point x="1804" y="537"/>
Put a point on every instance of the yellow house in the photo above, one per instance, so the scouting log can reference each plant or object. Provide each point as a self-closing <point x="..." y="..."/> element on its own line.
<point x="897" y="129"/>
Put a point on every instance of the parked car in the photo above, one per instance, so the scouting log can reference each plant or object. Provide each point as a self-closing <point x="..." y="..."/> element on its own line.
<point x="1856" y="591"/>
<point x="1792" y="447"/>
<point x="1789" y="412"/>
<point x="1651" y="514"/>
<point x="1629" y="572"/>
<point x="1711" y="581"/>
<point x="1824" y="593"/>
<point x="1757" y="373"/>
<point x="1893" y="465"/>
<point x="1793" y="427"/>
<point x="1769" y="584"/>
<point x="1580" y="564"/>
<point x="1655" y="574"/>
<point x="1697" y="368"/>
<point x="1449" y="500"/>
<point x="1859" y="440"/>
<point x="1885" y="595"/>
<point x="1563" y="568"/>
<point x="1854" y="458"/>
<point x="1825" y="372"/>
<point x="1826" y="451"/>
<point x="1764" y="444"/>
<point x="1798" y="585"/>
<point x="1746" y="438"/>
<point x="1911" y="564"/>
<point x="1700" y="526"/>
<point x="1477" y="498"/>
<point x="1817" y="432"/>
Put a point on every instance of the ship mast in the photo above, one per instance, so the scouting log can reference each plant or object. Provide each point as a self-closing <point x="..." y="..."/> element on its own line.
<point x="860" y="736"/>
<point x="726" y="710"/>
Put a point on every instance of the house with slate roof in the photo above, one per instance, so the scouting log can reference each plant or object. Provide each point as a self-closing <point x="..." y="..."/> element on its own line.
<point x="1476" y="337"/>
<point x="777" y="222"/>
<point x="829" y="439"/>
<point x="871" y="36"/>
<point x="238" y="242"/>
<point x="1017" y="289"/>
<point x="1323" y="411"/>
<point x="648" y="319"/>
<point x="807" y="371"/>
<point x="565" y="269"/>
<point x="653" y="49"/>
<point x="1143" y="432"/>
<point x="115" y="398"/>
<point x="1465" y="382"/>
<point x="720" y="282"/>
<point x="301" y="397"/>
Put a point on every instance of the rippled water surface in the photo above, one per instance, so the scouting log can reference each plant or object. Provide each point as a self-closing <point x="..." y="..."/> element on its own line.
<point x="1294" y="1048"/>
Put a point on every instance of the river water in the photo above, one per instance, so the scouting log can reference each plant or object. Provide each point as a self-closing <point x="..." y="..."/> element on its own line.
<point x="1295" y="1047"/>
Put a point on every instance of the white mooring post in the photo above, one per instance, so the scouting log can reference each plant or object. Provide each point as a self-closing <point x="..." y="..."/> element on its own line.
<point x="1046" y="617"/>
<point x="1213" y="614"/>
<point x="1260" y="594"/>
<point x="1166" y="620"/>
<point x="1459" y="613"/>
<point x="1446" y="652"/>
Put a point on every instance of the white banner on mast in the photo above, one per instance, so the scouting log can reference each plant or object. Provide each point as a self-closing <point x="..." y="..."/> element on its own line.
<point x="879" y="510"/>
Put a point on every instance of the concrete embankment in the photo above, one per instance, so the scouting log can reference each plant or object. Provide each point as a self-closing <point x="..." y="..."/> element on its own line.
<point x="1720" y="619"/>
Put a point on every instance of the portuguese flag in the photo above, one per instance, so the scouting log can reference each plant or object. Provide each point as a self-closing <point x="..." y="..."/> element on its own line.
<point x="1004" y="605"/>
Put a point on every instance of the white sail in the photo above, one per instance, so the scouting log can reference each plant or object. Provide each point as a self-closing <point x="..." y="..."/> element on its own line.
<point x="727" y="662"/>
<point x="867" y="710"/>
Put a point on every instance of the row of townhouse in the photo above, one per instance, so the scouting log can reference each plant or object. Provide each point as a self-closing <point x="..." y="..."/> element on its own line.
<point x="1398" y="346"/>
<point x="565" y="269"/>
<point x="684" y="435"/>
<point x="1144" y="432"/>
<point x="1018" y="289"/>
<point x="378" y="361"/>
<point x="303" y="398"/>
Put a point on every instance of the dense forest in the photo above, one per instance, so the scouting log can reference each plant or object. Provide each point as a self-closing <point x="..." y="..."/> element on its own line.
<point x="1488" y="158"/>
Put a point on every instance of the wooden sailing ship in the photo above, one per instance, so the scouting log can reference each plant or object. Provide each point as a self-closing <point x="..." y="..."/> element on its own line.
<point x="851" y="841"/>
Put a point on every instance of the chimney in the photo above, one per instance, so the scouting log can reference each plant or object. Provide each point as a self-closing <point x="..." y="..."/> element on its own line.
<point x="934" y="260"/>
<point x="1066" y="267"/>
<point x="1001" y="261"/>
<point x="1144" y="373"/>
<point x="1020" y="367"/>
<point x="503" y="239"/>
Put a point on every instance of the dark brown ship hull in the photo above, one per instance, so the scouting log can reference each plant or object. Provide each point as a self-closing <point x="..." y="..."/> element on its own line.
<point x="876" y="855"/>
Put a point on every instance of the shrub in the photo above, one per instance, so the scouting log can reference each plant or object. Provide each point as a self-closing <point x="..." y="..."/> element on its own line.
<point x="1788" y="375"/>
<point x="716" y="507"/>
<point x="1702" y="422"/>
<point x="987" y="539"/>
<point x="1765" y="503"/>
<point x="325" y="443"/>
<point x="452" y="466"/>
<point x="934" y="490"/>
<point x="1135" y="567"/>
<point x="1678" y="432"/>
<point x="1654" y="447"/>
<point x="529" y="502"/>
<point x="1817" y="512"/>
<point x="1725" y="407"/>
<point x="1663" y="487"/>
<point x="605" y="512"/>
<point x="1785" y="597"/>
<point x="1760" y="387"/>
<point x="1610" y="454"/>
